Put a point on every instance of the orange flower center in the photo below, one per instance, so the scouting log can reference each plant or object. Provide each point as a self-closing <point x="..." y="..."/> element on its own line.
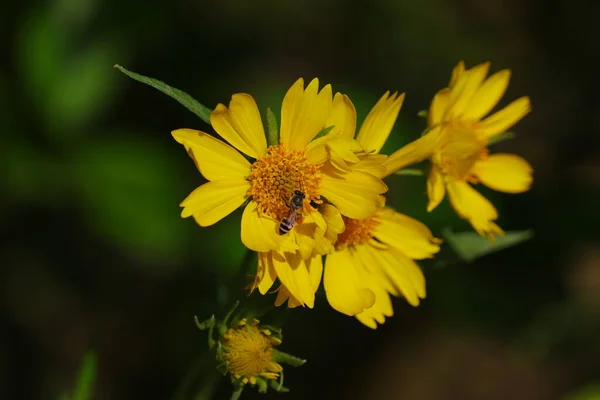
<point x="248" y="351"/>
<point x="462" y="148"/>
<point x="275" y="176"/>
<point x="357" y="231"/>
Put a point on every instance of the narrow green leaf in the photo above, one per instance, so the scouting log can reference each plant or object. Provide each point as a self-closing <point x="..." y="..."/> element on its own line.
<point x="410" y="171"/>
<point x="324" y="132"/>
<point x="280" y="356"/>
<point x="502" y="137"/>
<point x="422" y="114"/>
<point x="470" y="245"/>
<point x="87" y="377"/>
<point x="185" y="99"/>
<point x="588" y="392"/>
<point x="272" y="129"/>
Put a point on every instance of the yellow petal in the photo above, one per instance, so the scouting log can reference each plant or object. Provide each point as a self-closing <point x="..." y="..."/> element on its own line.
<point x="265" y="273"/>
<point x="501" y="121"/>
<point x="467" y="85"/>
<point x="303" y="113"/>
<point x="283" y="295"/>
<point x="458" y="70"/>
<point x="438" y="107"/>
<point x="342" y="117"/>
<point x="402" y="272"/>
<point x="414" y="152"/>
<point x="488" y="95"/>
<point x="507" y="173"/>
<point x="260" y="232"/>
<point x="213" y="201"/>
<point x="355" y="193"/>
<point x="436" y="188"/>
<point x="345" y="291"/>
<point x="315" y="270"/>
<point x="335" y="226"/>
<point x="214" y="159"/>
<point x="309" y="233"/>
<point x="472" y="206"/>
<point x="406" y="234"/>
<point x="379" y="123"/>
<point x="241" y="125"/>
<point x="381" y="308"/>
<point x="292" y="272"/>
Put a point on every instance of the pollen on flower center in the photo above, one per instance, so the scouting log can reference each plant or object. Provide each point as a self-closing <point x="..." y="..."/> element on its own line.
<point x="248" y="352"/>
<point x="462" y="148"/>
<point x="275" y="176"/>
<point x="357" y="231"/>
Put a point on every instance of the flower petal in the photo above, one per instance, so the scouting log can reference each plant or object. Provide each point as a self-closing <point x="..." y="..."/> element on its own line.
<point x="457" y="71"/>
<point x="401" y="271"/>
<point x="309" y="233"/>
<point x="355" y="193"/>
<point x="472" y="206"/>
<point x="283" y="295"/>
<point x="292" y="272"/>
<point x="438" y="107"/>
<point x="213" y="201"/>
<point x="466" y="87"/>
<point x="488" y="95"/>
<point x="345" y="291"/>
<point x="241" y="125"/>
<point x="315" y="270"/>
<point x="406" y="234"/>
<point x="260" y="232"/>
<point x="335" y="226"/>
<point x="304" y="112"/>
<point x="214" y="159"/>
<point x="379" y="123"/>
<point x="502" y="120"/>
<point x="342" y="117"/>
<point x="436" y="188"/>
<point x="266" y="273"/>
<point x="507" y="173"/>
<point x="381" y="308"/>
<point x="414" y="152"/>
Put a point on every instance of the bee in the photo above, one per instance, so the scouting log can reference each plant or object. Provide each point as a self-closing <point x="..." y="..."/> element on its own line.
<point x="295" y="203"/>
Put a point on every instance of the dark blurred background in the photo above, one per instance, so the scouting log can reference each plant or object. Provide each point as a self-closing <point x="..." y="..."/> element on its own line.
<point x="95" y="256"/>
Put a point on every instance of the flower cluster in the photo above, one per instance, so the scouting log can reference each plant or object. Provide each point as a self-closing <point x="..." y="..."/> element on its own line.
<point x="314" y="205"/>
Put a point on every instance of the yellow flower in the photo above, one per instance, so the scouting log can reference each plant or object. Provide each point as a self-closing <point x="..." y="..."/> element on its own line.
<point x="274" y="172"/>
<point x="247" y="350"/>
<point x="371" y="257"/>
<point x="459" y="112"/>
<point x="374" y="259"/>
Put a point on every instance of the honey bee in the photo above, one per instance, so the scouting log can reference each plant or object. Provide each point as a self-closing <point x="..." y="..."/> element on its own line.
<point x="295" y="203"/>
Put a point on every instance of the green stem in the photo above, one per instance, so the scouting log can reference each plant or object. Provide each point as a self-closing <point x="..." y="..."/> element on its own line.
<point x="410" y="172"/>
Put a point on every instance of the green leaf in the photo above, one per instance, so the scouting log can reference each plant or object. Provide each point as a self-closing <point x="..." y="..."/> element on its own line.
<point x="470" y="245"/>
<point x="185" y="99"/>
<point x="323" y="132"/>
<point x="410" y="171"/>
<point x="272" y="133"/>
<point x="85" y="379"/>
<point x="422" y="114"/>
<point x="280" y="356"/>
<point x="588" y="392"/>
<point x="502" y="137"/>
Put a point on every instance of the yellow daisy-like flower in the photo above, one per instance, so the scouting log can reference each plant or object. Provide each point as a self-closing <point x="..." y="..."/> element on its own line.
<point x="274" y="173"/>
<point x="459" y="112"/>
<point x="374" y="259"/>
<point x="371" y="257"/>
<point x="248" y="352"/>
